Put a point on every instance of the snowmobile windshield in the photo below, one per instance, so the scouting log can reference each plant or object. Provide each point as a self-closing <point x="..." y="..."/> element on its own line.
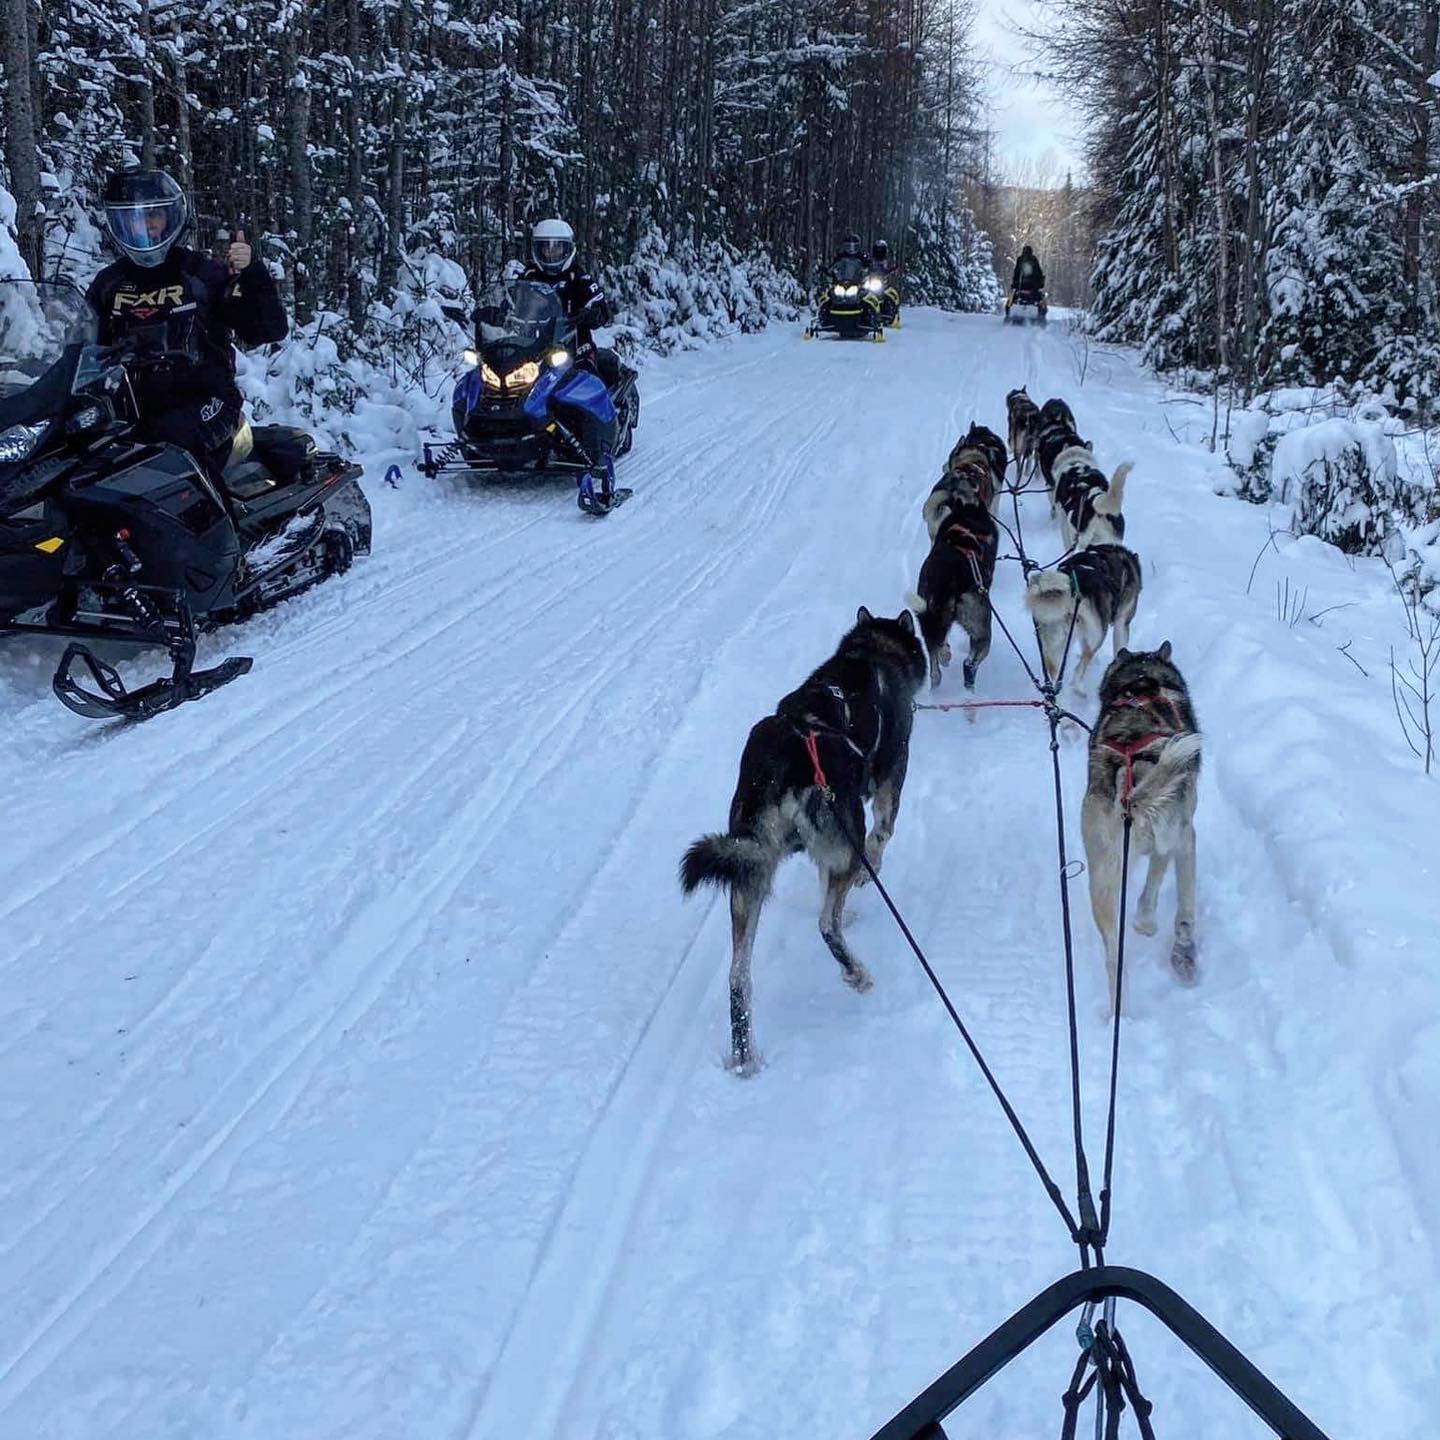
<point x="522" y="312"/>
<point x="849" y="271"/>
<point x="42" y="330"/>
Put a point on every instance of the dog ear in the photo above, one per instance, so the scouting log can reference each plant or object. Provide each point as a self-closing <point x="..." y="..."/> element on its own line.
<point x="1121" y="654"/>
<point x="1164" y="651"/>
<point x="863" y="616"/>
<point x="907" y="622"/>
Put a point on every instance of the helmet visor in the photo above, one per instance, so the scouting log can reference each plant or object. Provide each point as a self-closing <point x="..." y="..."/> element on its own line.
<point x="147" y="225"/>
<point x="553" y="254"/>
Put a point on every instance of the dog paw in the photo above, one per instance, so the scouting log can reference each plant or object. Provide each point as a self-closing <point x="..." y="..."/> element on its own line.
<point x="1182" y="961"/>
<point x="858" y="978"/>
<point x="1145" y="922"/>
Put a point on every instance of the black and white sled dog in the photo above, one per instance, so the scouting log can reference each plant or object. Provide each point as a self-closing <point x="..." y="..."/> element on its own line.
<point x="1057" y="432"/>
<point x="953" y="586"/>
<point x="1097" y="590"/>
<point x="1144" y="759"/>
<point x="974" y="474"/>
<point x="847" y="728"/>
<point x="1087" y="504"/>
<point x="1024" y="416"/>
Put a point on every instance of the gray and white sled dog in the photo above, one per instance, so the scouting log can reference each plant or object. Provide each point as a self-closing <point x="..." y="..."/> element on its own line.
<point x="974" y="474"/>
<point x="1024" y="416"/>
<point x="845" y="731"/>
<point x="1089" y="505"/>
<point x="1144" y="759"/>
<point x="1097" y="590"/>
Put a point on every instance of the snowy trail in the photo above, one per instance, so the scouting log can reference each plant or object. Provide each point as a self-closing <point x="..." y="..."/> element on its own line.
<point x="361" y="1064"/>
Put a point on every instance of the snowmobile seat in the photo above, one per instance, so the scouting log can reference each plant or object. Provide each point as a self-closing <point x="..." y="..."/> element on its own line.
<point x="245" y="477"/>
<point x="265" y="457"/>
<point x="283" y="450"/>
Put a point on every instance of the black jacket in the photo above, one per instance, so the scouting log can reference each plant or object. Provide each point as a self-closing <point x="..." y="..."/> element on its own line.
<point x="193" y="309"/>
<point x="1036" y="280"/>
<point x="579" y="293"/>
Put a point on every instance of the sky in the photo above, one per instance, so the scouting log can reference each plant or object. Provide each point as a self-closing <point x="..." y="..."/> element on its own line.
<point x="1032" y="121"/>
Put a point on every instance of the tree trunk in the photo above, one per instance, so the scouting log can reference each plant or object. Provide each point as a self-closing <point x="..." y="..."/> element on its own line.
<point x="22" y="157"/>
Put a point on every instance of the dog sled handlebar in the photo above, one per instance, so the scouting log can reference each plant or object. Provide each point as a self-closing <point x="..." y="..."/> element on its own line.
<point x="920" y="1419"/>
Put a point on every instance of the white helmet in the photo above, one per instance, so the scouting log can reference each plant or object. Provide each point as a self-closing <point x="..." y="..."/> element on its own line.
<point x="552" y="246"/>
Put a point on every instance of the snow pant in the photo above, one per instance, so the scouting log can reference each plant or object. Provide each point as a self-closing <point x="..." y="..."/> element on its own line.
<point x="205" y="427"/>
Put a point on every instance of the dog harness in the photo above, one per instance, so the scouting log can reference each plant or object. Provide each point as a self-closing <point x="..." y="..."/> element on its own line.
<point x="1130" y="750"/>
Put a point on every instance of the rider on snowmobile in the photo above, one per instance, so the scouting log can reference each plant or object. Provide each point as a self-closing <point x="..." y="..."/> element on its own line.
<point x="553" y="262"/>
<point x="185" y="309"/>
<point x="880" y="262"/>
<point x="1028" y="274"/>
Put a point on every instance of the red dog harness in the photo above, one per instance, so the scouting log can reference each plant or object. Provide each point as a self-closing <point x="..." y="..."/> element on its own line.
<point x="1130" y="750"/>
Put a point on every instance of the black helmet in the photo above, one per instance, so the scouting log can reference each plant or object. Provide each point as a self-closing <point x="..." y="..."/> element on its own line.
<point x="145" y="213"/>
<point x="881" y="250"/>
<point x="1026" y="250"/>
<point x="850" y="245"/>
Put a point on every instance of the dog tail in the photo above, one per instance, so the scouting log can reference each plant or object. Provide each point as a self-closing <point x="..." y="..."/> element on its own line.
<point x="915" y="603"/>
<point x="1178" y="762"/>
<point x="1048" y="596"/>
<point x="729" y="861"/>
<point x="1110" y="502"/>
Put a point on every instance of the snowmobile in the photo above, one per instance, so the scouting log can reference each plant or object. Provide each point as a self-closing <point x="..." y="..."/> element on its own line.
<point x="522" y="406"/>
<point x="849" y="304"/>
<point x="106" y="538"/>
<point x="1026" y="304"/>
<point x="886" y="285"/>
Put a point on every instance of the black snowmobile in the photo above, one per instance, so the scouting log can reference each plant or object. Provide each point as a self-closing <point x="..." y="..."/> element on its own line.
<point x="1026" y="303"/>
<point x="849" y="304"/>
<point x="105" y="538"/>
<point x="512" y="408"/>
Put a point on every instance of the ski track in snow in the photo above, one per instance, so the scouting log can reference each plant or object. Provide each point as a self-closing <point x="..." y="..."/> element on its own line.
<point x="362" y="1066"/>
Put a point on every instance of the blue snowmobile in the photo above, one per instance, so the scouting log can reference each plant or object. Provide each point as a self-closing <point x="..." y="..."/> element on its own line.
<point x="527" y="408"/>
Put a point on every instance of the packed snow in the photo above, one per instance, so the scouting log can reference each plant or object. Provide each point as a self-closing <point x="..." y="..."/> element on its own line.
<point x="363" y="1066"/>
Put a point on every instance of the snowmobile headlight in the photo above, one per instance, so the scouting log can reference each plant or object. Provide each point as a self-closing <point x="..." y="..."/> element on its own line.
<point x="848" y="291"/>
<point x="491" y="379"/>
<point x="524" y="377"/>
<point x="19" y="442"/>
<point x="472" y="358"/>
<point x="874" y="284"/>
<point x="558" y="358"/>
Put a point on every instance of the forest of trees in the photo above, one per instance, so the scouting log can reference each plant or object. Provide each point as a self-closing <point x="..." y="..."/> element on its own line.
<point x="353" y="133"/>
<point x="1268" y="188"/>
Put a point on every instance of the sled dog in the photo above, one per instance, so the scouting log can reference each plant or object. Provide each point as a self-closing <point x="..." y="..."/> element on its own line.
<point x="1088" y="504"/>
<point x="953" y="586"/>
<point x="1098" y="589"/>
<point x="974" y="474"/>
<point x="846" y="728"/>
<point x="1024" y="433"/>
<point x="1144" y="759"/>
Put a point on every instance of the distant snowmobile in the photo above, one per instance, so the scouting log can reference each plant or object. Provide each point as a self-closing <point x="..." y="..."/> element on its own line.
<point x="849" y="305"/>
<point x="106" y="538"/>
<point x="1026" y="305"/>
<point x="525" y="407"/>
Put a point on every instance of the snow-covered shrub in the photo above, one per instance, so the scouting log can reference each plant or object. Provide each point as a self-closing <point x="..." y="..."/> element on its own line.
<point x="1249" y="448"/>
<point x="670" y="296"/>
<point x="1341" y="481"/>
